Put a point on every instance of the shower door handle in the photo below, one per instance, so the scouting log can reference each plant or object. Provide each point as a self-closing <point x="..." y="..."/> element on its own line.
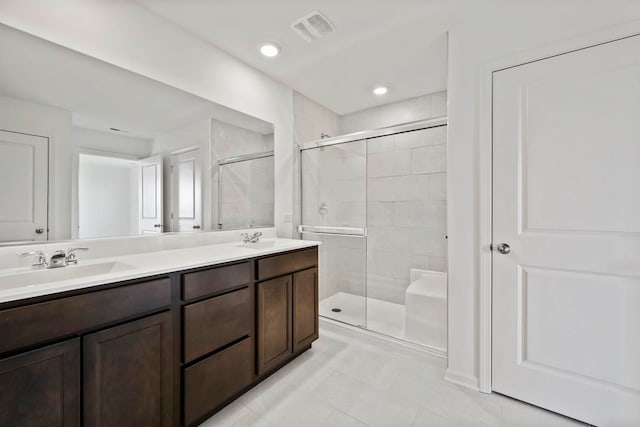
<point x="333" y="231"/>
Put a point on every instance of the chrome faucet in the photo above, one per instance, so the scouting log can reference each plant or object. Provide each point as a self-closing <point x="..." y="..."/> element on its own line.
<point x="251" y="238"/>
<point x="58" y="259"/>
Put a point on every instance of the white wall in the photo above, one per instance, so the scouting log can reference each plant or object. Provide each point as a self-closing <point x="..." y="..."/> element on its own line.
<point x="92" y="141"/>
<point x="107" y="197"/>
<point x="110" y="142"/>
<point x="147" y="44"/>
<point x="55" y="124"/>
<point x="512" y="32"/>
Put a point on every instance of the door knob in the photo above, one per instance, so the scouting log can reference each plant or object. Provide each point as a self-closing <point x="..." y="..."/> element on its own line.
<point x="503" y="248"/>
<point x="196" y="227"/>
<point x="158" y="225"/>
<point x="39" y="230"/>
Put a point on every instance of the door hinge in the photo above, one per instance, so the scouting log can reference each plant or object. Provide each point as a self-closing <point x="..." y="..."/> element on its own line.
<point x="171" y="168"/>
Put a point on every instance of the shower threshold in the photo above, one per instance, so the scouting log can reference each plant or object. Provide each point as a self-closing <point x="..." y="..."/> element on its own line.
<point x="381" y="316"/>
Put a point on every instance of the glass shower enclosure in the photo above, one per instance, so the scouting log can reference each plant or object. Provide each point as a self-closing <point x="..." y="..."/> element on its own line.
<point x="377" y="202"/>
<point x="245" y="191"/>
<point x="334" y="211"/>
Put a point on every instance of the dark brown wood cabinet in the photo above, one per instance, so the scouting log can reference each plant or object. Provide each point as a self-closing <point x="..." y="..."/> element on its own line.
<point x="216" y="322"/>
<point x="41" y="387"/>
<point x="210" y="383"/>
<point x="286" y="307"/>
<point x="127" y="374"/>
<point x="305" y="308"/>
<point x="274" y="314"/>
<point x="168" y="350"/>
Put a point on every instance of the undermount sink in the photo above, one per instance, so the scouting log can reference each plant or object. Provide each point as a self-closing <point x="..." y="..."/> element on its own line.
<point x="259" y="245"/>
<point x="39" y="277"/>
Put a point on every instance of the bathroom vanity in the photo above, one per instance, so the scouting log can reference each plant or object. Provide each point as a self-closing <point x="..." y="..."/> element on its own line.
<point x="164" y="349"/>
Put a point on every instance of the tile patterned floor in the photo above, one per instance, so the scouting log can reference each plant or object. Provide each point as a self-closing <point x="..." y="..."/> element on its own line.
<point x="352" y="379"/>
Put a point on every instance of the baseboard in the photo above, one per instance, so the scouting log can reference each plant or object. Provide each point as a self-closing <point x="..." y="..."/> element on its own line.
<point x="423" y="348"/>
<point x="464" y="380"/>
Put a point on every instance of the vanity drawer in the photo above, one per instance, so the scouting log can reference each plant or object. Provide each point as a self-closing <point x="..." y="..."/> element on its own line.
<point x="214" y="280"/>
<point x="211" y="382"/>
<point x="279" y="265"/>
<point x="28" y="325"/>
<point x="213" y="323"/>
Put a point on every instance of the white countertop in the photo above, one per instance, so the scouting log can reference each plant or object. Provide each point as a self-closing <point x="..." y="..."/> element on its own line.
<point x="133" y="266"/>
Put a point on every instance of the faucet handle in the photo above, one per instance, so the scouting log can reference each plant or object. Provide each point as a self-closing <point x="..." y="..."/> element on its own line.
<point x="71" y="255"/>
<point x="23" y="254"/>
<point x="41" y="257"/>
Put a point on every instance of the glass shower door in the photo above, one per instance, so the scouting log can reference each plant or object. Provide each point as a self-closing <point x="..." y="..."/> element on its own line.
<point x="333" y="200"/>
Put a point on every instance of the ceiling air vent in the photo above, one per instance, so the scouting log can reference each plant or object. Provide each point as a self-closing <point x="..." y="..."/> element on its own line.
<point x="313" y="26"/>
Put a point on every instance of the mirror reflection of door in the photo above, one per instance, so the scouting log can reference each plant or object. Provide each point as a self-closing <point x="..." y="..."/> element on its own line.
<point x="151" y="218"/>
<point x="24" y="189"/>
<point x="186" y="206"/>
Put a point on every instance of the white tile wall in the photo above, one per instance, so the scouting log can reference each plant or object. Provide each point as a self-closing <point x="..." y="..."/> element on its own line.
<point x="402" y="201"/>
<point x="406" y="194"/>
<point x="406" y="215"/>
<point x="419" y="108"/>
<point x="249" y="186"/>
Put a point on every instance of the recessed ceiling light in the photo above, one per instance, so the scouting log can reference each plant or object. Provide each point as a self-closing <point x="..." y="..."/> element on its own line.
<point x="380" y="90"/>
<point x="269" y="50"/>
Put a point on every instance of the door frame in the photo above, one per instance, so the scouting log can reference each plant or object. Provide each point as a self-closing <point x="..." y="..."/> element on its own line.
<point x="485" y="185"/>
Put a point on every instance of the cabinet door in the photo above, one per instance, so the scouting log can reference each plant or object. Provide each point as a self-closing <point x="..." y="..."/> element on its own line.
<point x="41" y="387"/>
<point x="274" y="323"/>
<point x="305" y="308"/>
<point x="128" y="374"/>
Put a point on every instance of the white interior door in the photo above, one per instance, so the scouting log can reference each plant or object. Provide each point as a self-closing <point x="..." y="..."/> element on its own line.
<point x="186" y="206"/>
<point x="151" y="217"/>
<point x="23" y="187"/>
<point x="566" y="299"/>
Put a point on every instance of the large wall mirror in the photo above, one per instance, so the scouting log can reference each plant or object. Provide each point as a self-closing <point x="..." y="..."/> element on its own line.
<point x="90" y="150"/>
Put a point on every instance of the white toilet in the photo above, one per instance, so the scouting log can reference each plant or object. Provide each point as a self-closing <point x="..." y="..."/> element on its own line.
<point x="426" y="309"/>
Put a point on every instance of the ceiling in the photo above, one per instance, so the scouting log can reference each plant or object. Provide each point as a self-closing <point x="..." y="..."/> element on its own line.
<point x="398" y="43"/>
<point x="100" y="95"/>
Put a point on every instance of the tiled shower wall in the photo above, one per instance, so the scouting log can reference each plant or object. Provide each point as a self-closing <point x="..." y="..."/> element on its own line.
<point x="406" y="197"/>
<point x="311" y="120"/>
<point x="248" y="186"/>
<point x="406" y="209"/>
